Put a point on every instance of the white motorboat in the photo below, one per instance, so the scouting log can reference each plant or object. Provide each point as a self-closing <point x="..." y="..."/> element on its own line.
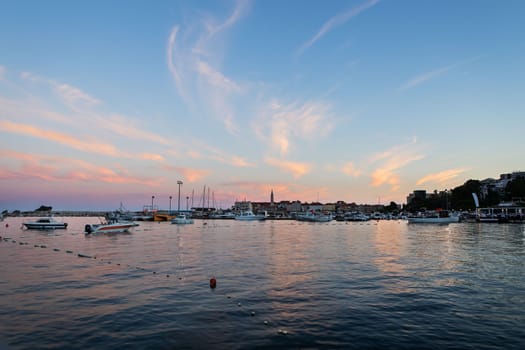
<point x="181" y="219"/>
<point x="45" y="224"/>
<point x="312" y="216"/>
<point x="433" y="217"/>
<point x="248" y="215"/>
<point x="109" y="227"/>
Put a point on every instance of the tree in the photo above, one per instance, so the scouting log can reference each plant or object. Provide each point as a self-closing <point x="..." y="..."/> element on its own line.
<point x="44" y="208"/>
<point x="391" y="208"/>
<point x="515" y="189"/>
<point x="461" y="198"/>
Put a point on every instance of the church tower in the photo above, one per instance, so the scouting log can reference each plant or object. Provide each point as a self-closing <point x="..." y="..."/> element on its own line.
<point x="271" y="198"/>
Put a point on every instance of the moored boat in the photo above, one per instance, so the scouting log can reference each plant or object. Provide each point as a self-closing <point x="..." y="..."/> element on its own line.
<point x="181" y="219"/>
<point x="248" y="215"/>
<point x="109" y="227"/>
<point x="45" y="224"/>
<point x="433" y="217"/>
<point x="312" y="216"/>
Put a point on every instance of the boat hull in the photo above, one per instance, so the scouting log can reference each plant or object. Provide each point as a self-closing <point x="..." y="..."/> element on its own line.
<point x="447" y="220"/>
<point x="250" y="218"/>
<point x="37" y="226"/>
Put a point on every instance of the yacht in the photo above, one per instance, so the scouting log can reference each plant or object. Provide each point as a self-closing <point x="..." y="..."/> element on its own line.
<point x="45" y="224"/>
<point x="248" y="215"/>
<point x="181" y="219"/>
<point x="433" y="217"/>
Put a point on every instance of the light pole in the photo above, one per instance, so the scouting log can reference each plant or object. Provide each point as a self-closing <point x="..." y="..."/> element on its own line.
<point x="187" y="202"/>
<point x="170" y="205"/>
<point x="152" y="197"/>
<point x="178" y="207"/>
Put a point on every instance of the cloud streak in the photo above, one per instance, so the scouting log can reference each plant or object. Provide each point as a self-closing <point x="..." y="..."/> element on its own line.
<point x="194" y="64"/>
<point x="441" y="177"/>
<point x="334" y="22"/>
<point x="59" y="169"/>
<point x="433" y="74"/>
<point x="389" y="162"/>
<point x="279" y="125"/>
<point x="297" y="169"/>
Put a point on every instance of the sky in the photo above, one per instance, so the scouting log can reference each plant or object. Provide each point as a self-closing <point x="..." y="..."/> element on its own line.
<point x="109" y="102"/>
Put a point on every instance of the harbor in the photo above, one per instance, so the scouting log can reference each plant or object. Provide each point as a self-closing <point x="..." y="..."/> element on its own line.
<point x="279" y="284"/>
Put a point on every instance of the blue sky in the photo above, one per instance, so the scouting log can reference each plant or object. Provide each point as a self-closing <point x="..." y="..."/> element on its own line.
<point x="362" y="101"/>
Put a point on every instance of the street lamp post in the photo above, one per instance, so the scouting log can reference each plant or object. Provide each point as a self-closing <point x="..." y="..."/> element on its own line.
<point x="170" y="205"/>
<point x="187" y="202"/>
<point x="152" y="197"/>
<point x="178" y="207"/>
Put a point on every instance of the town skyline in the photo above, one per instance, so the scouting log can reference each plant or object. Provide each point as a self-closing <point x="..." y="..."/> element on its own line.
<point x="361" y="101"/>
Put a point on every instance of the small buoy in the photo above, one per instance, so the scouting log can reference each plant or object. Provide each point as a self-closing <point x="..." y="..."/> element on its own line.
<point x="253" y="313"/>
<point x="266" y="322"/>
<point x="239" y="304"/>
<point x="6" y="225"/>
<point x="167" y="275"/>
<point x="213" y="282"/>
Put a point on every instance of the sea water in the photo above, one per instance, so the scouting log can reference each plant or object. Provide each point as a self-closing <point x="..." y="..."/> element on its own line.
<point x="280" y="284"/>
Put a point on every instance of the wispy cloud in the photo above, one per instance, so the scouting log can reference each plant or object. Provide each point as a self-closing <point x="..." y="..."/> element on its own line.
<point x="90" y="146"/>
<point x="433" y="74"/>
<point x="2" y="72"/>
<point x="441" y="177"/>
<point x="350" y="169"/>
<point x="390" y="161"/>
<point x="422" y="78"/>
<point x="73" y="96"/>
<point x="188" y="174"/>
<point x="279" y="125"/>
<point x="336" y="21"/>
<point x="194" y="62"/>
<point x="297" y="169"/>
<point x="60" y="169"/>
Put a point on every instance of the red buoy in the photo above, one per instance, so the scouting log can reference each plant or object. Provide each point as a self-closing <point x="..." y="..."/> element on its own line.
<point x="213" y="282"/>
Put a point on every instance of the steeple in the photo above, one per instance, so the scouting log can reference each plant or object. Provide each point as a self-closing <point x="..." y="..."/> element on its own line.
<point x="271" y="197"/>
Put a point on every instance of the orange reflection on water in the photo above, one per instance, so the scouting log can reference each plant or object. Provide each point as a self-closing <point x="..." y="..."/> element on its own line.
<point x="390" y="243"/>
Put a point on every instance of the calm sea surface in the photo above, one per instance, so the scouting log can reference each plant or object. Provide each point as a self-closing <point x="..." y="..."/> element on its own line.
<point x="280" y="284"/>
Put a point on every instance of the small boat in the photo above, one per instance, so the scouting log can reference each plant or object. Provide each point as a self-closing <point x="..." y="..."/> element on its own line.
<point x="181" y="219"/>
<point x="109" y="227"/>
<point x="313" y="216"/>
<point x="355" y="216"/>
<point x="248" y="215"/>
<point x="45" y="224"/>
<point x="433" y="217"/>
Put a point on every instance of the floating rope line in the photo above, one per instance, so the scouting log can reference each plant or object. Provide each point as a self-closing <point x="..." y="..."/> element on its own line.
<point x="239" y="304"/>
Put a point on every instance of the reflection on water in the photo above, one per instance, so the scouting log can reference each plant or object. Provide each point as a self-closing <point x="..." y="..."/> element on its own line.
<point x="329" y="285"/>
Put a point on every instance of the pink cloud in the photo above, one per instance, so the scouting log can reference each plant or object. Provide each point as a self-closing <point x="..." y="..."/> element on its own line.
<point x="297" y="169"/>
<point x="441" y="177"/>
